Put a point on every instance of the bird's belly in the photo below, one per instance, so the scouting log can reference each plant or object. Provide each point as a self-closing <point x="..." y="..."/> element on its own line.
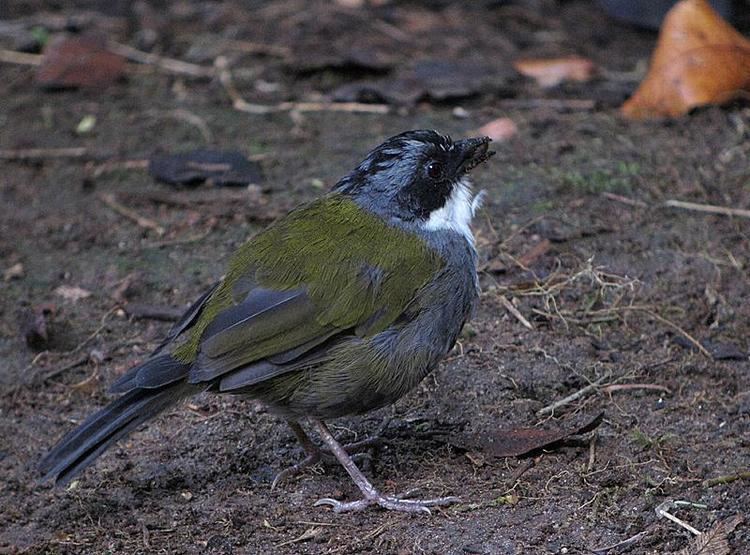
<point x="356" y="379"/>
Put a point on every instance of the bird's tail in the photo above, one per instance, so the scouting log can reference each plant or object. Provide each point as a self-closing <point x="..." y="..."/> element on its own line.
<point x="82" y="446"/>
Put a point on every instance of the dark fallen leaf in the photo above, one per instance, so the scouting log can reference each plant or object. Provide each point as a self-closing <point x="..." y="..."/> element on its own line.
<point x="434" y="80"/>
<point x="523" y="441"/>
<point x="84" y="61"/>
<point x="716" y="540"/>
<point x="35" y="325"/>
<point x="718" y="350"/>
<point x="224" y="168"/>
<point x="724" y="351"/>
<point x="355" y="60"/>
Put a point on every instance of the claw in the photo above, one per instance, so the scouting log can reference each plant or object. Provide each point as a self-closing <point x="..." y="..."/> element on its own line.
<point x="390" y="503"/>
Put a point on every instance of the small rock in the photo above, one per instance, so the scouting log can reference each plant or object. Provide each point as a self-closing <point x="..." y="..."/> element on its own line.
<point x="17" y="271"/>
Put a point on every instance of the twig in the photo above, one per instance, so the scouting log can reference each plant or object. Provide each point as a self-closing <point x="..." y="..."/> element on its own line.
<point x="43" y="153"/>
<point x="592" y="452"/>
<point x="168" y="64"/>
<point x="728" y="479"/>
<point x="624" y="200"/>
<point x="308" y="534"/>
<point x="709" y="208"/>
<point x="550" y="409"/>
<point x="195" y="120"/>
<point x="110" y="201"/>
<point x="241" y="105"/>
<point x="62" y="369"/>
<point x="627" y="386"/>
<point x="178" y="241"/>
<point x="515" y="312"/>
<point x="687" y="336"/>
<point x="661" y="511"/>
<point x="604" y="549"/>
<point x="552" y="103"/>
<point x="20" y="58"/>
<point x="114" y="165"/>
<point x="249" y="47"/>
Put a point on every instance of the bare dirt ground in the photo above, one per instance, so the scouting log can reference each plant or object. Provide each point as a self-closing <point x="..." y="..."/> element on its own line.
<point x="619" y="289"/>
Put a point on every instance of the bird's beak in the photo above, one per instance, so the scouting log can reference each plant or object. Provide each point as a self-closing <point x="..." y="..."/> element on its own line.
<point x="473" y="152"/>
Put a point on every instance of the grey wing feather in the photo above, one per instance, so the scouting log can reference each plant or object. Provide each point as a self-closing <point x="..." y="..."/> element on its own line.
<point x="188" y="318"/>
<point x="277" y="326"/>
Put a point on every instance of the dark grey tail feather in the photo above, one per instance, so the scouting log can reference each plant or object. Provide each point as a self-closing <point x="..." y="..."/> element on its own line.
<point x="156" y="372"/>
<point x="82" y="446"/>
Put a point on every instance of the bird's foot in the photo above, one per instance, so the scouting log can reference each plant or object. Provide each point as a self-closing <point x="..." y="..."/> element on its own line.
<point x="309" y="460"/>
<point x="371" y="495"/>
<point x="314" y="457"/>
<point x="315" y="454"/>
<point x="390" y="503"/>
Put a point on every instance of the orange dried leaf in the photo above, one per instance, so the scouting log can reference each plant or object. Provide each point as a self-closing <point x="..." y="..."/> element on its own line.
<point x="699" y="59"/>
<point x="551" y="72"/>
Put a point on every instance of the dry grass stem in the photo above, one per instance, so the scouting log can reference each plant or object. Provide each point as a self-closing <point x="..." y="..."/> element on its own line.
<point x="708" y="208"/>
<point x="109" y="200"/>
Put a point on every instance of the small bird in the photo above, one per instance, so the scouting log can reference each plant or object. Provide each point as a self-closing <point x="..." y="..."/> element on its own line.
<point x="340" y="307"/>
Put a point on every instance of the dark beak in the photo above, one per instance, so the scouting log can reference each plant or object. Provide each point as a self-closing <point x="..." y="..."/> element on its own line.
<point x="473" y="152"/>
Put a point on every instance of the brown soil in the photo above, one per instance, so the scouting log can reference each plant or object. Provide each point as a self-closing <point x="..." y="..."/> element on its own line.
<point x="575" y="233"/>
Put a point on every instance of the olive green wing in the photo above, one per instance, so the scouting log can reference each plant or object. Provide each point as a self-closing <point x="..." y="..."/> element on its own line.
<point x="327" y="269"/>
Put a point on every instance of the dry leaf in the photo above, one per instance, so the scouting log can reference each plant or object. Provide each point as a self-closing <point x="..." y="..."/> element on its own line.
<point x="72" y="62"/>
<point x="522" y="441"/>
<point x="72" y="293"/>
<point x="551" y="72"/>
<point x="699" y="59"/>
<point x="500" y="129"/>
<point x="715" y="541"/>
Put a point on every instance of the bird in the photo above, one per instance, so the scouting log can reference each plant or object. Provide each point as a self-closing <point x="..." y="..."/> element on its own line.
<point x="340" y="307"/>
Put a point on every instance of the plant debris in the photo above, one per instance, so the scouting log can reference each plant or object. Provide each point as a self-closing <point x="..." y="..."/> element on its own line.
<point x="517" y="442"/>
<point x="714" y="541"/>
<point x="84" y="61"/>
<point x="700" y="59"/>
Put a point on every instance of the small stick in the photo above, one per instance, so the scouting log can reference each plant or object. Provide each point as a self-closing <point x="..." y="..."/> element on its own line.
<point x="109" y="200"/>
<point x="709" y="208"/>
<point x="43" y="153"/>
<point x="249" y="47"/>
<point x="514" y="311"/>
<point x="241" y="105"/>
<point x="20" y="58"/>
<point x="114" y="165"/>
<point x="592" y="452"/>
<point x="168" y="64"/>
<point x="62" y="369"/>
<point x="627" y="386"/>
<point x="550" y="409"/>
<point x="662" y="512"/>
<point x="623" y="543"/>
<point x="728" y="479"/>
<point x="625" y="200"/>
<point x="689" y="337"/>
<point x="553" y="103"/>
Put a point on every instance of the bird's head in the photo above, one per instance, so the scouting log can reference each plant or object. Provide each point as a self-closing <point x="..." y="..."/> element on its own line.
<point x="420" y="177"/>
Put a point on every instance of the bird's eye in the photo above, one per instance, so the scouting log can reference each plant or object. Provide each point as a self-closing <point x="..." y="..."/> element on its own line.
<point x="435" y="170"/>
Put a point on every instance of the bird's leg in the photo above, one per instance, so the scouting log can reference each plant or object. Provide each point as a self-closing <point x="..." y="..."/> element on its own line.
<point x="371" y="495"/>
<point x="314" y="453"/>
<point x="311" y="450"/>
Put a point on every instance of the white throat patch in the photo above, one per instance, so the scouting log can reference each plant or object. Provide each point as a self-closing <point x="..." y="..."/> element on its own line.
<point x="457" y="212"/>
